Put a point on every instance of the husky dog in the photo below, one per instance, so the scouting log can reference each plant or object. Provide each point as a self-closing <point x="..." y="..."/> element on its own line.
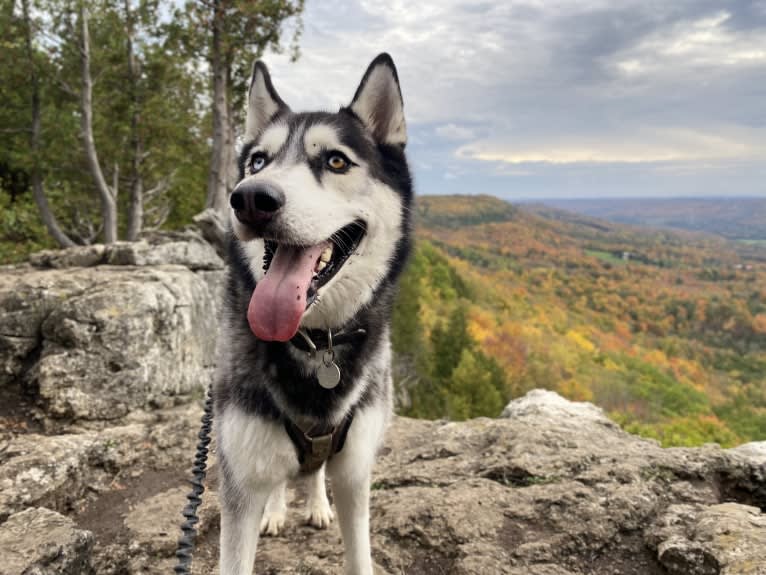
<point x="320" y="232"/>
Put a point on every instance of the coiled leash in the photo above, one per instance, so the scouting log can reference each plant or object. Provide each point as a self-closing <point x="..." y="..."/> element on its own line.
<point x="199" y="471"/>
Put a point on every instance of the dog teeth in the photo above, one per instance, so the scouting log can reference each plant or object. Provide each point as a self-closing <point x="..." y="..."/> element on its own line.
<point x="324" y="259"/>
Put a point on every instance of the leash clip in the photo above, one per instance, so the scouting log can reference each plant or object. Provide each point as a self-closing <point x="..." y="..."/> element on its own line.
<point x="328" y="374"/>
<point x="312" y="346"/>
<point x="329" y="355"/>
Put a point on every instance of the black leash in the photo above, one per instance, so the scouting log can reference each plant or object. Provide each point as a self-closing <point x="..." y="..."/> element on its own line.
<point x="199" y="470"/>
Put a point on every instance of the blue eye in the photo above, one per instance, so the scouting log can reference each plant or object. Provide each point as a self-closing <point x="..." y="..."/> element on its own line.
<point x="257" y="162"/>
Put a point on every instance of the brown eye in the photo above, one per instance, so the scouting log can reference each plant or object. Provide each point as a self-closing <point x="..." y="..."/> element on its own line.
<point x="337" y="162"/>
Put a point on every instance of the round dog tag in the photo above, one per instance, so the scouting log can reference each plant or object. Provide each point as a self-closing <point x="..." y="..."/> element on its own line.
<point x="328" y="375"/>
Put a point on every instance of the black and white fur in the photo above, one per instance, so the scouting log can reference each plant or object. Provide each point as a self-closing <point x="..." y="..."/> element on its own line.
<point x="259" y="383"/>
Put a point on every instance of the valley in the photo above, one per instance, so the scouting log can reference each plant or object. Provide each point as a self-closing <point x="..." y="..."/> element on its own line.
<point x="666" y="330"/>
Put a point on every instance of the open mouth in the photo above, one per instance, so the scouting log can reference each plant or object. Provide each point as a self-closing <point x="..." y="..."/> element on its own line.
<point x="338" y="249"/>
<point x="293" y="277"/>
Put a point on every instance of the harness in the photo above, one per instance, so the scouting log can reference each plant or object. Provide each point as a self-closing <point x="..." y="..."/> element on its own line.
<point x="320" y="442"/>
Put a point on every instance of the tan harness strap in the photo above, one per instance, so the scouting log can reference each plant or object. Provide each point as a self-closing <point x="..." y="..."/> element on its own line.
<point x="316" y="446"/>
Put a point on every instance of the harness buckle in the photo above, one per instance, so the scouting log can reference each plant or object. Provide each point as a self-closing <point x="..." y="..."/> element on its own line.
<point x="321" y="446"/>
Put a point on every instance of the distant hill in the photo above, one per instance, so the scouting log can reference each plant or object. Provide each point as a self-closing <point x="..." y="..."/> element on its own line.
<point x="664" y="329"/>
<point x="733" y="218"/>
<point x="460" y="211"/>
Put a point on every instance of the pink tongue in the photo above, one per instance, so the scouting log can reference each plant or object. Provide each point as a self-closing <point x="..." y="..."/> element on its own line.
<point x="279" y="299"/>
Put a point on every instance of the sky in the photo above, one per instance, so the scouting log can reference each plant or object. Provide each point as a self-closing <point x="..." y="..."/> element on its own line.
<point x="537" y="99"/>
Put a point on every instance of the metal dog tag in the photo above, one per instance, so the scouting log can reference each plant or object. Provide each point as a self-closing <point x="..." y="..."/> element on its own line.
<point x="328" y="374"/>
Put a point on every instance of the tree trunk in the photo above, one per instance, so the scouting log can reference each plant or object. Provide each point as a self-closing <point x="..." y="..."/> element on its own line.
<point x="108" y="196"/>
<point x="38" y="190"/>
<point x="136" y="204"/>
<point x="232" y="169"/>
<point x="217" y="188"/>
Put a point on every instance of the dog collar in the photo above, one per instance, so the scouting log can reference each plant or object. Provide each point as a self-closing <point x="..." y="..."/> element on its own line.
<point x="327" y="372"/>
<point x="313" y="341"/>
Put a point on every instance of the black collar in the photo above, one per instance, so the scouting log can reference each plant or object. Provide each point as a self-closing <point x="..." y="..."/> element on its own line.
<point x="319" y="337"/>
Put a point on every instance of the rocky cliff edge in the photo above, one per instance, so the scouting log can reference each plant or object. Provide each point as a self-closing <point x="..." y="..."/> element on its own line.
<point x="104" y="354"/>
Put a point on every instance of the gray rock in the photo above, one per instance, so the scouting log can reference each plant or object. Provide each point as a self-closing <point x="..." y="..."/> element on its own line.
<point x="554" y="490"/>
<point x="187" y="250"/>
<point x="153" y="524"/>
<point x="193" y="255"/>
<point x="96" y="343"/>
<point x="213" y="228"/>
<point x="79" y="256"/>
<point x="725" y="539"/>
<point x="550" y="404"/>
<point x="13" y="352"/>
<point x="59" y="471"/>
<point x="39" y="541"/>
<point x="39" y="470"/>
<point x="26" y="299"/>
<point x="755" y="450"/>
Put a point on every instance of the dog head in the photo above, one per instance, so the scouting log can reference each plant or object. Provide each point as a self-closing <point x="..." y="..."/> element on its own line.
<point x="321" y="210"/>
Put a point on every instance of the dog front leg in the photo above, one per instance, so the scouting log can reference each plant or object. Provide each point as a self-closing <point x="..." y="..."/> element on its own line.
<point x="273" y="520"/>
<point x="240" y="519"/>
<point x="318" y="510"/>
<point x="352" y="501"/>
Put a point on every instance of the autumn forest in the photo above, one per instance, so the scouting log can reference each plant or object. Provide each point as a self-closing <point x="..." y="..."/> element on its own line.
<point x="666" y="330"/>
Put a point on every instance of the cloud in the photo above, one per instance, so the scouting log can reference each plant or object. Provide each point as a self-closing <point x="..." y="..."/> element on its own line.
<point x="703" y="43"/>
<point x="646" y="146"/>
<point x="454" y="132"/>
<point x="552" y="84"/>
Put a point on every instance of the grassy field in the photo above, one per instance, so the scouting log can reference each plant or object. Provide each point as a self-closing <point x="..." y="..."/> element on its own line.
<point x="606" y="257"/>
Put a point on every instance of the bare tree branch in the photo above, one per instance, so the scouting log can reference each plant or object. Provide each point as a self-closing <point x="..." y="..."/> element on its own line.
<point x="218" y="175"/>
<point x="115" y="181"/>
<point x="161" y="187"/>
<point x="108" y="203"/>
<point x="38" y="190"/>
<point x="158" y="215"/>
<point x="85" y="231"/>
<point x="213" y="227"/>
<point x="136" y="202"/>
<point x="64" y="85"/>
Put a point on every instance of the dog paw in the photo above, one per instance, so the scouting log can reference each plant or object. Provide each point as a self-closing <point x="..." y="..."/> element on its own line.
<point x="319" y="515"/>
<point x="272" y="523"/>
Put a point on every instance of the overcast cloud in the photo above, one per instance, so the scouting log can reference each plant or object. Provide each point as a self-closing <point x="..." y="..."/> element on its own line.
<point x="540" y="98"/>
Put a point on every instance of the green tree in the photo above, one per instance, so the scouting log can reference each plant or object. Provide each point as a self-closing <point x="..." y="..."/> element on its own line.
<point x="475" y="388"/>
<point x="228" y="35"/>
<point x="447" y="344"/>
<point x="148" y="120"/>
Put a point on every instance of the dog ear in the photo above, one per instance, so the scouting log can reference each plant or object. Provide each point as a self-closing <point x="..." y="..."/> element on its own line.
<point x="263" y="102"/>
<point x="378" y="102"/>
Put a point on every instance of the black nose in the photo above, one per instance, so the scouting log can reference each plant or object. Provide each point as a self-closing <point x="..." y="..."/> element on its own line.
<point x="254" y="203"/>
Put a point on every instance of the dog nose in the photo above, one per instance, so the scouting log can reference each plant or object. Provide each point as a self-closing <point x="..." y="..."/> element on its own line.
<point x="253" y="203"/>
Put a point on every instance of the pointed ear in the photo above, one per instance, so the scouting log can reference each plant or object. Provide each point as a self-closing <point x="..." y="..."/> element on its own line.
<point x="263" y="102"/>
<point x="378" y="102"/>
